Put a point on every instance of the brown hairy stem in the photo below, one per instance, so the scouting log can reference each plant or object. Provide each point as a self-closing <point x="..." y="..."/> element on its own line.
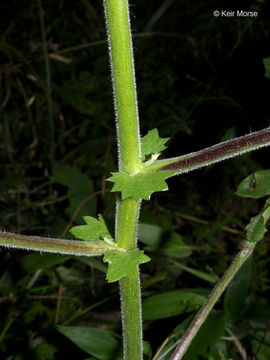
<point x="213" y="154"/>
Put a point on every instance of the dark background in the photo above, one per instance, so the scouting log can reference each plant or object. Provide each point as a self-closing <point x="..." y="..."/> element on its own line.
<point x="200" y="80"/>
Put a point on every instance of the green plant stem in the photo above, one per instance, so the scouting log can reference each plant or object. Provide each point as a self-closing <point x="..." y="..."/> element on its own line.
<point x="126" y="229"/>
<point x="221" y="285"/>
<point x="126" y="224"/>
<point x="122" y="67"/>
<point x="127" y="123"/>
<point x="130" y="291"/>
<point x="59" y="246"/>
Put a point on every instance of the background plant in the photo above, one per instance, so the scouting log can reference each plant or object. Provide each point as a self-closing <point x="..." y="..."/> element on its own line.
<point x="26" y="168"/>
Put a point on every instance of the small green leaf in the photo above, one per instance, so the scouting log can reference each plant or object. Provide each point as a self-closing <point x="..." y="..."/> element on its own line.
<point x="94" y="230"/>
<point x="170" y="304"/>
<point x="32" y="262"/>
<point x="100" y="343"/>
<point x="212" y="278"/>
<point x="147" y="351"/>
<point x="175" y="246"/>
<point x="255" y="186"/>
<point x="46" y="351"/>
<point x="150" y="235"/>
<point x="124" y="264"/>
<point x="266" y="63"/>
<point x="152" y="144"/>
<point x="140" y="185"/>
<point x="256" y="228"/>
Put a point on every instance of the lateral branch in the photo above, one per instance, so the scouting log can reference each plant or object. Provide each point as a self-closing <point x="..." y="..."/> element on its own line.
<point x="213" y="154"/>
<point x="58" y="246"/>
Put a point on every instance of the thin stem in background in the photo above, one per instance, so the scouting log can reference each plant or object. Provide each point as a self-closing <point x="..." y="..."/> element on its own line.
<point x="104" y="41"/>
<point x="58" y="303"/>
<point x="84" y="201"/>
<point x="48" y="81"/>
<point x="27" y="107"/>
<point x="237" y="344"/>
<point x="158" y="14"/>
<point x="185" y="341"/>
<point x="81" y="312"/>
<point x="192" y="218"/>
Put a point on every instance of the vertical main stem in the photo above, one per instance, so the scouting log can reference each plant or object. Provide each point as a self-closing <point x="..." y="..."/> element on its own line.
<point x="131" y="318"/>
<point x="123" y="76"/>
<point x="127" y="123"/>
<point x="126" y="228"/>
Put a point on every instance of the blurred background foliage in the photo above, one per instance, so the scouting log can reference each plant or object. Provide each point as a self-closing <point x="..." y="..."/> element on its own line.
<point x="200" y="80"/>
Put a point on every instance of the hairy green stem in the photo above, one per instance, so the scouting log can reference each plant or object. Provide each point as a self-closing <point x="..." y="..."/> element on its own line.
<point x="221" y="285"/>
<point x="126" y="225"/>
<point x="59" y="246"/>
<point x="213" y="154"/>
<point x="130" y="291"/>
<point x="127" y="123"/>
<point x="126" y="229"/>
<point x="125" y="98"/>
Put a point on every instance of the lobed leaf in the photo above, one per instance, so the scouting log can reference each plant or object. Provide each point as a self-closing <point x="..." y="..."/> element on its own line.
<point x="140" y="185"/>
<point x="95" y="229"/>
<point x="152" y="144"/>
<point x="124" y="264"/>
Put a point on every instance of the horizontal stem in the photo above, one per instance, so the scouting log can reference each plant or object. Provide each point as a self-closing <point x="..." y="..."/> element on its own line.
<point x="221" y="285"/>
<point x="213" y="154"/>
<point x="59" y="246"/>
